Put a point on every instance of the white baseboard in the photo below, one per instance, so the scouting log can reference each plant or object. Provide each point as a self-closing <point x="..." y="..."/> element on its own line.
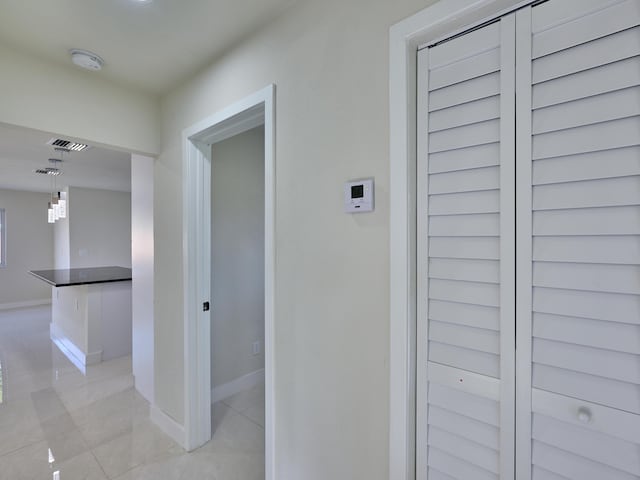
<point x="238" y="385"/>
<point x="29" y="303"/>
<point x="71" y="351"/>
<point x="168" y="425"/>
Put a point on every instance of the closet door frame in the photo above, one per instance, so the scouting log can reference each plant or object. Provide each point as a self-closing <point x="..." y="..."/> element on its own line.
<point x="443" y="19"/>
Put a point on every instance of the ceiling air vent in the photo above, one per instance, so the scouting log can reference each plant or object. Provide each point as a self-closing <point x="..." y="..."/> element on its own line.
<point x="48" y="171"/>
<point x="67" y="145"/>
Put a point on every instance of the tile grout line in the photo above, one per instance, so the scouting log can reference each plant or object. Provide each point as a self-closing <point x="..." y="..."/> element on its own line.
<point x="98" y="462"/>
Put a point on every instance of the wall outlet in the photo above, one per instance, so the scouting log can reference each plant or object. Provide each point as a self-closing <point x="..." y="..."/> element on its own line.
<point x="256" y="348"/>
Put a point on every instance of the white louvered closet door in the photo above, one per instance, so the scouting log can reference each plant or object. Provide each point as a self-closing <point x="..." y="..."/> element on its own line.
<point x="465" y="414"/>
<point x="567" y="74"/>
<point x="578" y="211"/>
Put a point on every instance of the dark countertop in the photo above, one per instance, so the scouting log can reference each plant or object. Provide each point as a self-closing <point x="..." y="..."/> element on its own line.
<point x="82" y="276"/>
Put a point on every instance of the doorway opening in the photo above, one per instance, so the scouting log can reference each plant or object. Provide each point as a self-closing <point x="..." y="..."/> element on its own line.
<point x="247" y="114"/>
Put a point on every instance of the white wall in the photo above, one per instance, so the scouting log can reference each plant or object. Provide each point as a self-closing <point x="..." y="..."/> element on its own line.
<point x="237" y="256"/>
<point x="329" y="61"/>
<point x="99" y="228"/>
<point x="142" y="266"/>
<point x="70" y="102"/>
<point x="29" y="246"/>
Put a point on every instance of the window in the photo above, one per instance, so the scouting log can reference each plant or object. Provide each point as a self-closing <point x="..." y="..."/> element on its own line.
<point x="3" y="239"/>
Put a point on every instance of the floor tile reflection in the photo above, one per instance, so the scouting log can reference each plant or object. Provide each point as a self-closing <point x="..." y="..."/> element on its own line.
<point x="61" y="424"/>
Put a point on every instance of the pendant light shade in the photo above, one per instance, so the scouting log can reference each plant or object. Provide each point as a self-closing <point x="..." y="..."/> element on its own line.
<point x="57" y="207"/>
<point x="50" y="216"/>
<point x="62" y="204"/>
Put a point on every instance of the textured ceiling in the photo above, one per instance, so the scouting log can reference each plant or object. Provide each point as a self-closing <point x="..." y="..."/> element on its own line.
<point x="151" y="46"/>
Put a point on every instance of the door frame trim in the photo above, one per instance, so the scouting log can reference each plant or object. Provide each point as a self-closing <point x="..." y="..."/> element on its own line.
<point x="241" y="116"/>
<point x="445" y="17"/>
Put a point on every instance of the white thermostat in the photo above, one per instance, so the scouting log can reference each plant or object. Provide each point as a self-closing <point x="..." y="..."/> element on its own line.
<point x="358" y="196"/>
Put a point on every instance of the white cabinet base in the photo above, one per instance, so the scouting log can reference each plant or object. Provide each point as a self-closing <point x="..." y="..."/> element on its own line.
<point x="92" y="323"/>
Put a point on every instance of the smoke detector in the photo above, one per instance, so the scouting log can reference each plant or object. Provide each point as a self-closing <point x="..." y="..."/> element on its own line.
<point x="86" y="59"/>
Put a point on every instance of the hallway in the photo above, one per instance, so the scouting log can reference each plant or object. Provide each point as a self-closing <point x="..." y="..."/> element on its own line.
<point x="56" y="423"/>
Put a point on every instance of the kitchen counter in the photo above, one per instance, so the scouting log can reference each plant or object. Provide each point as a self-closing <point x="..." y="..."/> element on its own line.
<point x="90" y="312"/>
<point x="82" y="276"/>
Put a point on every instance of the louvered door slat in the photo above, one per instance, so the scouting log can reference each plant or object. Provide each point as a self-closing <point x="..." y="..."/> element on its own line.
<point x="609" y="49"/>
<point x="600" y="108"/>
<point x="465" y="247"/>
<point x="575" y="467"/>
<point x="549" y="16"/>
<point x="613" y="163"/>
<point x="586" y="28"/>
<point x="613" y="452"/>
<point x="465" y="114"/>
<point x="463" y="314"/>
<point x="464" y="158"/>
<point x="597" y="361"/>
<point x="608" y="249"/>
<point x="619" y="337"/>
<point x="595" y="81"/>
<point x="472" y="67"/>
<point x="542" y="474"/>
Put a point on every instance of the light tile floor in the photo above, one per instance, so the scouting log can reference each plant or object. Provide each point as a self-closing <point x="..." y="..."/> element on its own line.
<point x="59" y="424"/>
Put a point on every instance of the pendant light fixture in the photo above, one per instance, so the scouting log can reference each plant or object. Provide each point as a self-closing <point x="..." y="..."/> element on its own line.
<point x="57" y="207"/>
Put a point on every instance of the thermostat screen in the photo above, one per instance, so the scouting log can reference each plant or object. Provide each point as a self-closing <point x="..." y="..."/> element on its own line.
<point x="357" y="191"/>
